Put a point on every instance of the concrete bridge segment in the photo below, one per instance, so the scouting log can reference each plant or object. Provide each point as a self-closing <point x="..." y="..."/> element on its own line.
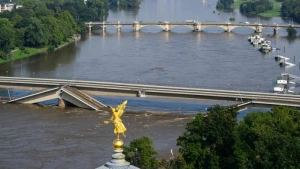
<point x="66" y="95"/>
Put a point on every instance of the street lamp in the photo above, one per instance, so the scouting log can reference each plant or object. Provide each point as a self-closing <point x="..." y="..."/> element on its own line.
<point x="190" y="80"/>
<point x="6" y="73"/>
<point x="8" y="94"/>
<point x="21" y="71"/>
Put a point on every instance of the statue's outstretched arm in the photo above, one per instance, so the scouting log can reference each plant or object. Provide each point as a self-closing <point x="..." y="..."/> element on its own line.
<point x="111" y="118"/>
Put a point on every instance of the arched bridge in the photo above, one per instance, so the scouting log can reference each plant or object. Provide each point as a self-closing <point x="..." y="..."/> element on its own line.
<point x="195" y="26"/>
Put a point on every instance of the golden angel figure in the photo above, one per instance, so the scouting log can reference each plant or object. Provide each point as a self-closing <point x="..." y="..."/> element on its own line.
<point x="116" y="119"/>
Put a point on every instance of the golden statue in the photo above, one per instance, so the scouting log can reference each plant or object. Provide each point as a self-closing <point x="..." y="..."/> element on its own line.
<point x="119" y="127"/>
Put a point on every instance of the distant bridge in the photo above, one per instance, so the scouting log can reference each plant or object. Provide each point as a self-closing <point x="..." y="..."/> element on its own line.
<point x="246" y="99"/>
<point x="195" y="26"/>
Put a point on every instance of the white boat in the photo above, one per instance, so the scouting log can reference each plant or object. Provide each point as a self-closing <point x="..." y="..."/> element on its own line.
<point x="279" y="88"/>
<point x="279" y="57"/>
<point x="252" y="38"/>
<point x="282" y="80"/>
<point x="285" y="63"/>
<point x="265" y="48"/>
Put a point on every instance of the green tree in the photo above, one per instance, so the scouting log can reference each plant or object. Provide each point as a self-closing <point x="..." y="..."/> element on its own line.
<point x="291" y="31"/>
<point x="269" y="139"/>
<point x="6" y="34"/>
<point x="42" y="10"/>
<point x="19" y="37"/>
<point x="163" y="164"/>
<point x="209" y="139"/>
<point x="179" y="163"/>
<point x="57" y="36"/>
<point x="101" y="6"/>
<point x="291" y="9"/>
<point x="30" y="4"/>
<point x="144" y="148"/>
<point x="68" y="22"/>
<point x="226" y="4"/>
<point x="35" y="34"/>
<point x="256" y="7"/>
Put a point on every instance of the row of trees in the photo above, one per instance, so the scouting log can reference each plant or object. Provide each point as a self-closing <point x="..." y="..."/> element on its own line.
<point x="218" y="140"/>
<point x="35" y="25"/>
<point x="256" y="7"/>
<point x="126" y="4"/>
<point x="291" y="9"/>
<point x="49" y="22"/>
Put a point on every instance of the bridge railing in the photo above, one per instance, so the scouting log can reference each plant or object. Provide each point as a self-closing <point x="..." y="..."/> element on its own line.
<point x="193" y="83"/>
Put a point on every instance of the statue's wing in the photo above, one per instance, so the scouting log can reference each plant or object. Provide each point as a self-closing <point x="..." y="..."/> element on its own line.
<point x="121" y="108"/>
<point x="112" y="109"/>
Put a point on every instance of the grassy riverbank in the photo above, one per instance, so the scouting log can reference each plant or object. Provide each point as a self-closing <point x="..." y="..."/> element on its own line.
<point x="275" y="12"/>
<point x="18" y="54"/>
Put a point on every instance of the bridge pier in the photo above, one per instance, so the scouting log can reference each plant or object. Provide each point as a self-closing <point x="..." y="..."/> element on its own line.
<point x="228" y="28"/>
<point x="103" y="28"/>
<point x="258" y="28"/>
<point x="197" y="27"/>
<point x="118" y="28"/>
<point x="167" y="28"/>
<point x="136" y="27"/>
<point x="61" y="103"/>
<point x="141" y="93"/>
<point x="90" y="28"/>
<point x="276" y="29"/>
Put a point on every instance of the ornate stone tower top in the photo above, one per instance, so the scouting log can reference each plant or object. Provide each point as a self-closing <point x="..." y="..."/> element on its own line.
<point x="118" y="158"/>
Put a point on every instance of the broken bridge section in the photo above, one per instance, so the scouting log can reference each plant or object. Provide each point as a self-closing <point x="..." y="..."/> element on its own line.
<point x="80" y="99"/>
<point x="66" y="95"/>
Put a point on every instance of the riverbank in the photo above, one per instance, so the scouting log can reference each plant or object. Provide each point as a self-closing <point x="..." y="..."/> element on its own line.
<point x="28" y="52"/>
<point x="275" y="12"/>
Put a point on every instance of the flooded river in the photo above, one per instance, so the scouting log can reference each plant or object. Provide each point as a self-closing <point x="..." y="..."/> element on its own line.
<point x="38" y="137"/>
<point x="49" y="137"/>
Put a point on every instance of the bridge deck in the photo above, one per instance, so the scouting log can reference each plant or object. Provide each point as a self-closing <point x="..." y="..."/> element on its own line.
<point x="119" y="89"/>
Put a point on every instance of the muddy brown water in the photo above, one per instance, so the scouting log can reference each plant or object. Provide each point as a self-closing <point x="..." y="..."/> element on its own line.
<point x="50" y="137"/>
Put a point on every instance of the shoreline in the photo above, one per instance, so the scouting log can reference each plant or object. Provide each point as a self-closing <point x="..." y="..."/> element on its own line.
<point x="17" y="55"/>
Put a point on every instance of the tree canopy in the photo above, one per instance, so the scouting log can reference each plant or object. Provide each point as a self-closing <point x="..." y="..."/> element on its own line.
<point x="209" y="139"/>
<point x="50" y="22"/>
<point x="224" y="4"/>
<point x="6" y="34"/>
<point x="269" y="139"/>
<point x="145" y="151"/>
<point x="291" y="9"/>
<point x="260" y="140"/>
<point x="256" y="7"/>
